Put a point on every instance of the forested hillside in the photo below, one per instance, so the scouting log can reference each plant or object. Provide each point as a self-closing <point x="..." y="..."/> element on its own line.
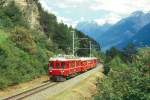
<point x="127" y="75"/>
<point x="25" y="48"/>
<point x="142" y="38"/>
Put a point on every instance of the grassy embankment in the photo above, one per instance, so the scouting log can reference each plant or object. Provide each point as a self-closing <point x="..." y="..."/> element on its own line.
<point x="84" y="90"/>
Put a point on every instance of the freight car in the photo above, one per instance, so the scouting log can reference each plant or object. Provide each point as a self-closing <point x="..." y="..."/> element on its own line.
<point x="62" y="68"/>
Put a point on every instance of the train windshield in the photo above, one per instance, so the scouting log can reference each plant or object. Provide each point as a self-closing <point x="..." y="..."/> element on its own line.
<point x="60" y="65"/>
<point x="57" y="66"/>
<point x="50" y="65"/>
<point x="63" y="65"/>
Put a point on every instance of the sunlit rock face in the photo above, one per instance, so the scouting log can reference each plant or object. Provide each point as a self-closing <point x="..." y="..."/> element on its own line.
<point x="30" y="11"/>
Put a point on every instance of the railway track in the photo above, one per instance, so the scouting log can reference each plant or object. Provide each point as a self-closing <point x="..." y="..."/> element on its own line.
<point x="30" y="92"/>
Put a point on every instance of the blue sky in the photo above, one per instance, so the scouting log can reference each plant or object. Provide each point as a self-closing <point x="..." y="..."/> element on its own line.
<point x="101" y="11"/>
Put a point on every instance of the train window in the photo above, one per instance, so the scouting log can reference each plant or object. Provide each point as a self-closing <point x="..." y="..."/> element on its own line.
<point x="57" y="65"/>
<point x="50" y="65"/>
<point x="63" y="65"/>
<point x="73" y="64"/>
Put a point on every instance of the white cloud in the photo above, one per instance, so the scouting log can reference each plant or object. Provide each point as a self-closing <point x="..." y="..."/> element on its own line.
<point x="115" y="9"/>
<point x="118" y="9"/>
<point x="121" y="7"/>
<point x="73" y="1"/>
<point x="67" y="21"/>
<point x="64" y="5"/>
<point x="111" y="19"/>
<point x="82" y="19"/>
<point x="67" y="3"/>
<point x="46" y="7"/>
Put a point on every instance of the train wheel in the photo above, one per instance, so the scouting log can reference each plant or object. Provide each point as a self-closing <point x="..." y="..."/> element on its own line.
<point x="51" y="78"/>
<point x="73" y="75"/>
<point x="76" y="74"/>
<point x="60" y="78"/>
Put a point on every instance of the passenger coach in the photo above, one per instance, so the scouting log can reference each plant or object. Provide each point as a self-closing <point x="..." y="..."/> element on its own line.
<point x="61" y="68"/>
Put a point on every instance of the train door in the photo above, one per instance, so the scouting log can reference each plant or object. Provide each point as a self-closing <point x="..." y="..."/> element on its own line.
<point x="71" y="67"/>
<point x="63" y="65"/>
<point x="77" y="67"/>
<point x="50" y="67"/>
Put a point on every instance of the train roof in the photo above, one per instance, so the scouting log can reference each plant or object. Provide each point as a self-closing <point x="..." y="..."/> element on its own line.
<point x="71" y="58"/>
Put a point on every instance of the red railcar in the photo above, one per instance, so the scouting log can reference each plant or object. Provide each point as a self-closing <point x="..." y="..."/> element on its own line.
<point x="61" y="68"/>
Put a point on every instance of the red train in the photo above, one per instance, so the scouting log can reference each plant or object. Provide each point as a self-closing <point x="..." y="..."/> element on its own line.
<point x="61" y="68"/>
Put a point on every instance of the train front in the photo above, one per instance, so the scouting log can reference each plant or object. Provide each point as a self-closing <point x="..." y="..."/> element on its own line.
<point x="56" y="69"/>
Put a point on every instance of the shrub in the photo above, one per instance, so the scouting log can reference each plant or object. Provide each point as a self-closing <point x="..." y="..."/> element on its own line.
<point x="23" y="39"/>
<point x="3" y="83"/>
<point x="17" y="65"/>
<point x="125" y="81"/>
<point x="106" y="69"/>
<point x="122" y="86"/>
<point x="11" y="16"/>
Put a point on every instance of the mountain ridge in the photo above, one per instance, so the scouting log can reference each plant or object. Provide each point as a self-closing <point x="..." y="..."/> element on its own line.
<point x="92" y="29"/>
<point x="120" y="33"/>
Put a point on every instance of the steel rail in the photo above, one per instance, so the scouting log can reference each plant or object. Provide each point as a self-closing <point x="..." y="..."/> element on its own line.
<point x="30" y="92"/>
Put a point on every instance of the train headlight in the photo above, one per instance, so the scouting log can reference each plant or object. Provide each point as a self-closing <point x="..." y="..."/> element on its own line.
<point x="62" y="72"/>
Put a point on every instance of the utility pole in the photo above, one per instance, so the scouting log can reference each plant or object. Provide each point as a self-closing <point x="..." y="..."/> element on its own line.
<point x="90" y="48"/>
<point x="73" y="42"/>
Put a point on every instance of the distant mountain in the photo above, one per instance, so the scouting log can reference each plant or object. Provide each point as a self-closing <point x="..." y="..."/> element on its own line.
<point x="134" y="28"/>
<point x="92" y="29"/>
<point x="124" y="30"/>
<point x="142" y="38"/>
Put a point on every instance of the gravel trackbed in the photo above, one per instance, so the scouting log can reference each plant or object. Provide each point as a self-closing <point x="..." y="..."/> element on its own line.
<point x="62" y="86"/>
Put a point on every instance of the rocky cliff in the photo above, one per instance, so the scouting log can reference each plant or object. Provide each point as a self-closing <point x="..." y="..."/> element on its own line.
<point x="30" y="11"/>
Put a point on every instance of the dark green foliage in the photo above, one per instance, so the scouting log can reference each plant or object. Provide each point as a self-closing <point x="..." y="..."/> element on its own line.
<point x="47" y="20"/>
<point x="18" y="66"/>
<point x="2" y="54"/>
<point x="125" y="85"/>
<point x="110" y="54"/>
<point x="23" y="39"/>
<point x="2" y="2"/>
<point x="129" y="53"/>
<point x="63" y="37"/>
<point x="11" y="16"/>
<point x="127" y="79"/>
<point x="106" y="69"/>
